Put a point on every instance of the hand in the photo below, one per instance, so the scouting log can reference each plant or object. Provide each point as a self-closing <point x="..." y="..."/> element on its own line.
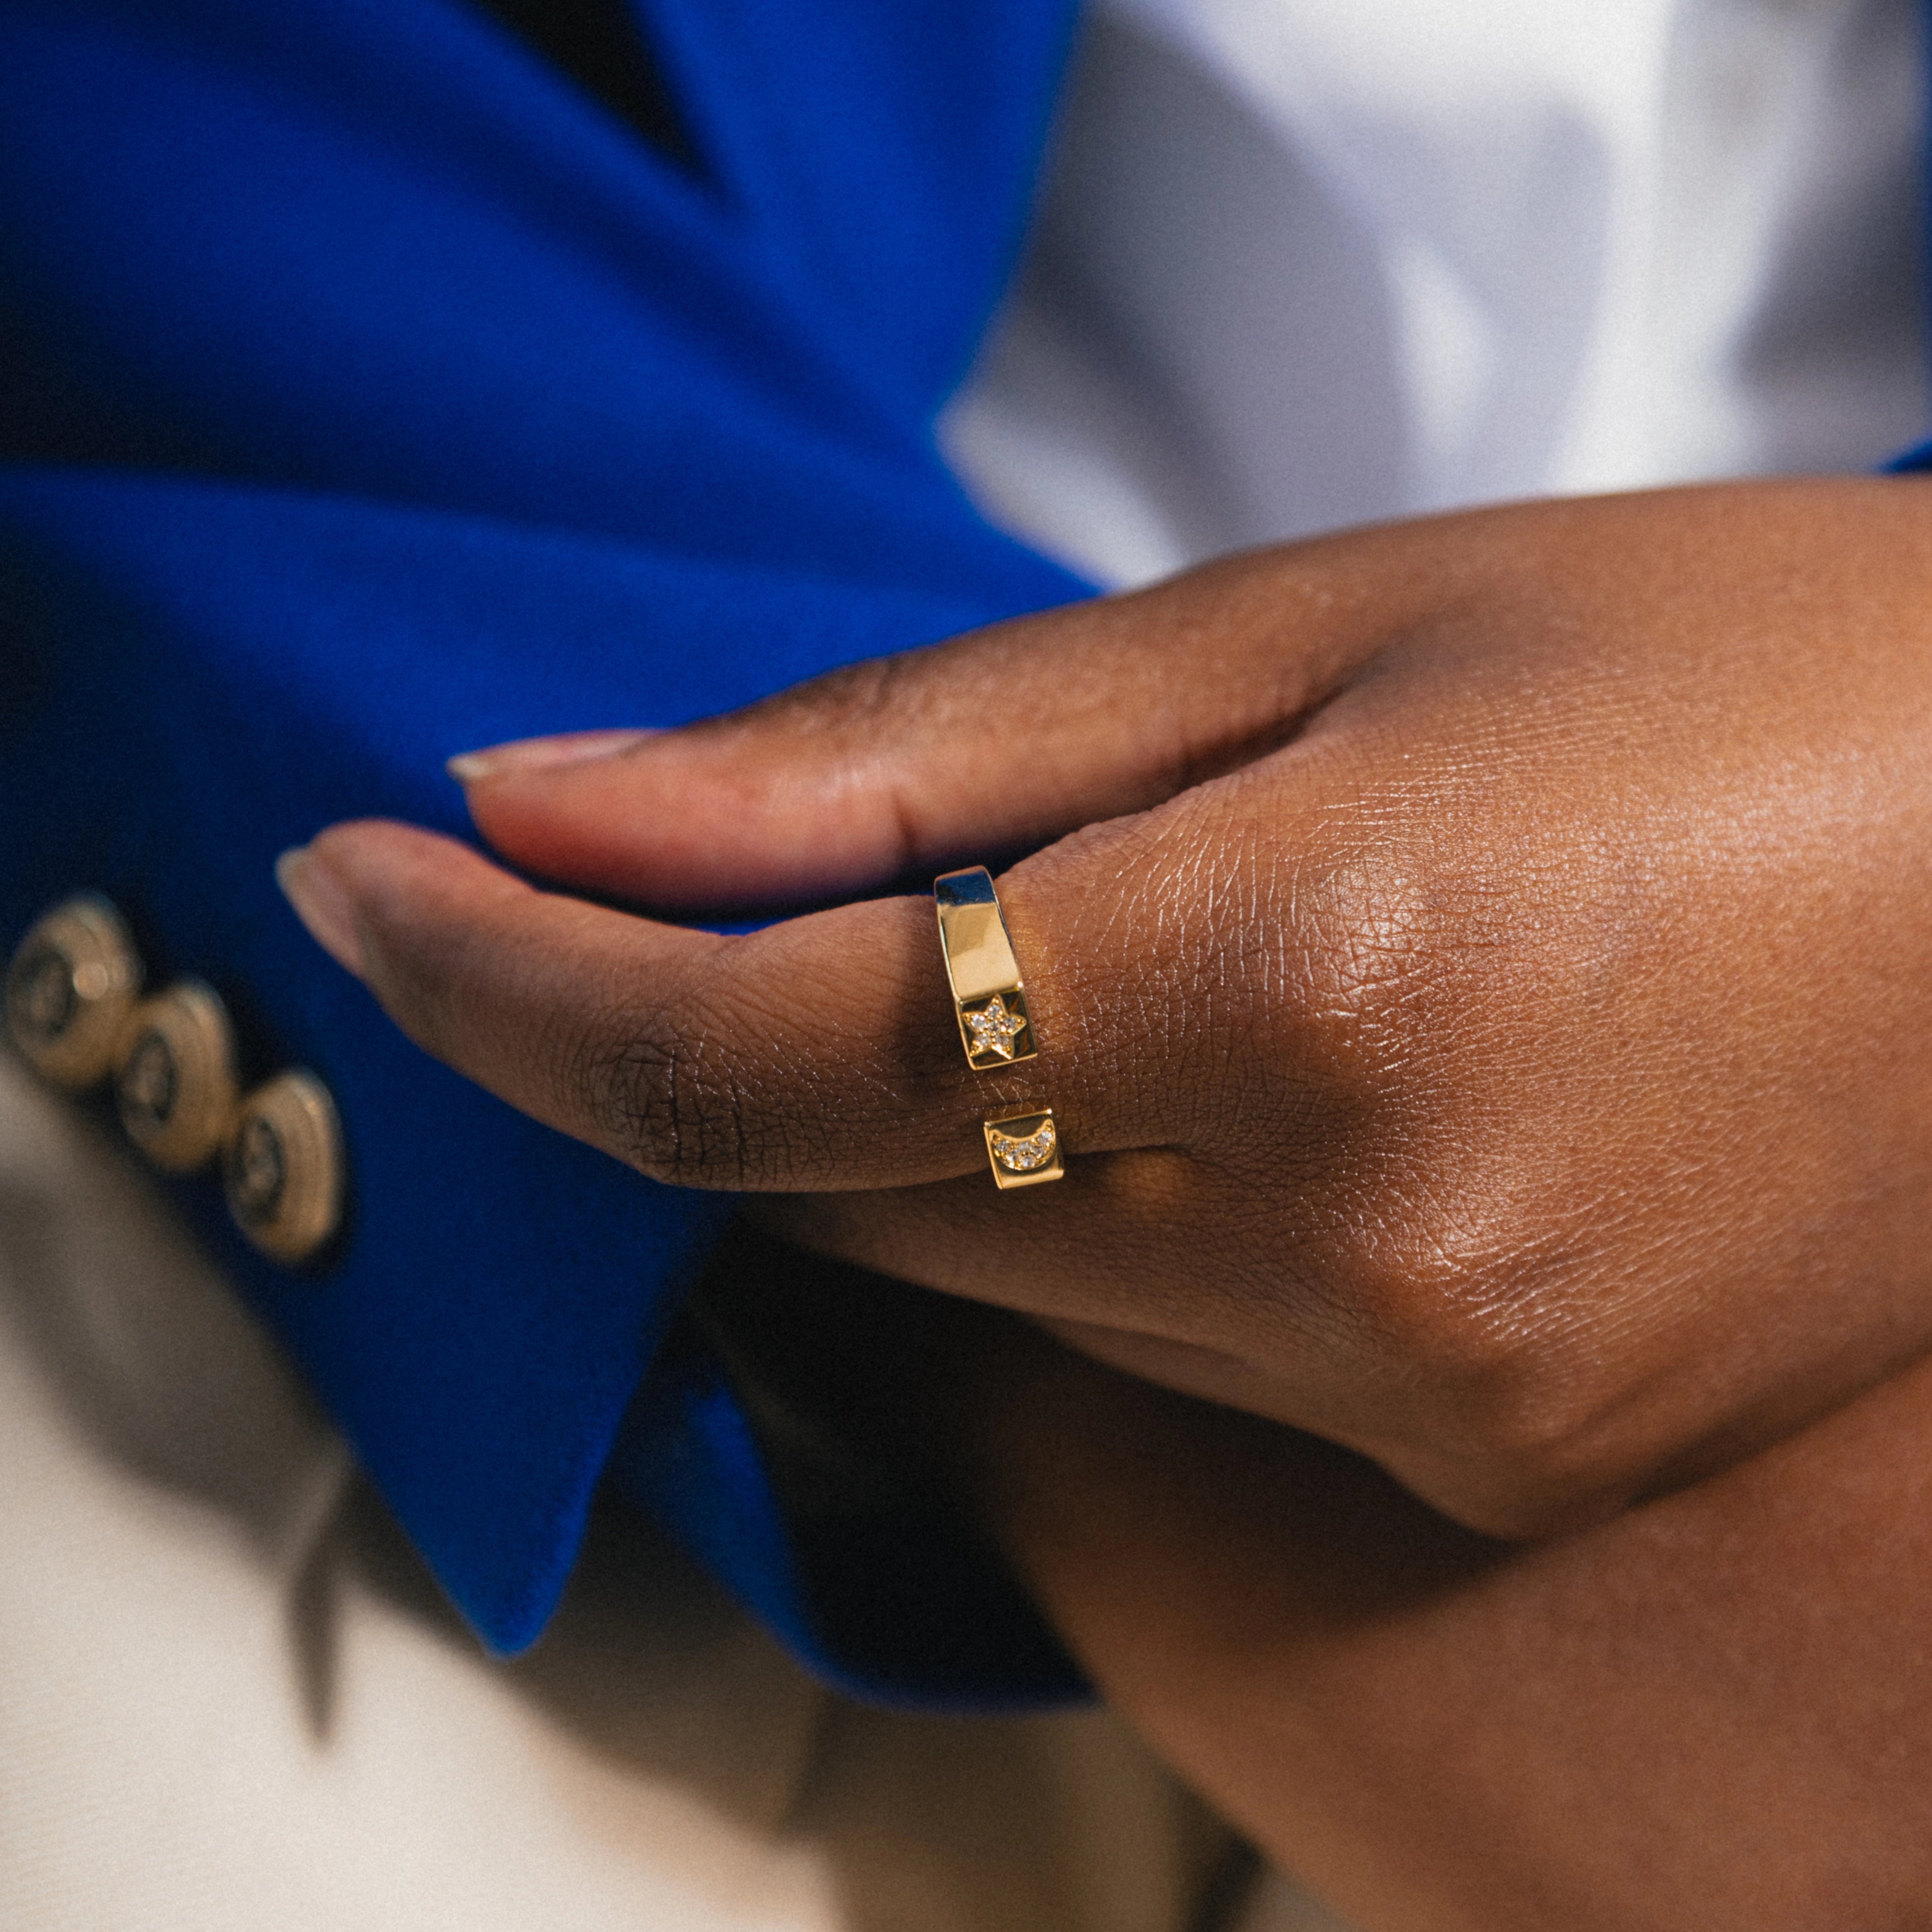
<point x="1484" y="1008"/>
<point x="1713" y="1713"/>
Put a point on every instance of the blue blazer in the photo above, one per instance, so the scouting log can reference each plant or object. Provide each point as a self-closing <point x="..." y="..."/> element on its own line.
<point x="368" y="393"/>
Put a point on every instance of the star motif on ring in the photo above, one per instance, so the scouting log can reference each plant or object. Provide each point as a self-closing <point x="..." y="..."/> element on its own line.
<point x="994" y="1028"/>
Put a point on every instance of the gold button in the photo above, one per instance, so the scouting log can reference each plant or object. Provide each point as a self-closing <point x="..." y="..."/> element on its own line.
<point x="284" y="1168"/>
<point x="176" y="1086"/>
<point x="72" y="984"/>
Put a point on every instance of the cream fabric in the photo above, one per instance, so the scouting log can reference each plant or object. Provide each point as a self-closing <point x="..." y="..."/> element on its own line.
<point x="232" y="1701"/>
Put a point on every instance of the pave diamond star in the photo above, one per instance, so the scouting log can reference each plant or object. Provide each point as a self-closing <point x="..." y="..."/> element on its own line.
<point x="994" y="1028"/>
<point x="1022" y="1156"/>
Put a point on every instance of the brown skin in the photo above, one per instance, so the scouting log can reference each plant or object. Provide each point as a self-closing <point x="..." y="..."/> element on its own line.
<point x="1512" y="1067"/>
<point x="1713" y="1713"/>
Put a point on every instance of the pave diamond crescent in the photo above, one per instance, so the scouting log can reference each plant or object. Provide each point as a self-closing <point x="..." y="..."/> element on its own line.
<point x="1023" y="1156"/>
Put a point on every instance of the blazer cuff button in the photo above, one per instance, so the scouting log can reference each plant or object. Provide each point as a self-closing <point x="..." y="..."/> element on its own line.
<point x="71" y="989"/>
<point x="284" y="1168"/>
<point x="176" y="1085"/>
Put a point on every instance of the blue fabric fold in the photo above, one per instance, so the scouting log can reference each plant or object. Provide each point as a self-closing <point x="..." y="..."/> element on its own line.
<point x="367" y="394"/>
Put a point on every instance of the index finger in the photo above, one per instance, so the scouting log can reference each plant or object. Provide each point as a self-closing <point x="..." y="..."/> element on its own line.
<point x="819" y="1054"/>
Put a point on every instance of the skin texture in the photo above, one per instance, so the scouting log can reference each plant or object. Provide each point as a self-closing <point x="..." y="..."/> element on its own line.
<point x="1713" y="1713"/>
<point x="1476" y="962"/>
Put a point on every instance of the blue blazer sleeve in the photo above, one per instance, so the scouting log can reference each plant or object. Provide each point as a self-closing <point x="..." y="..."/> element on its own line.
<point x="367" y="395"/>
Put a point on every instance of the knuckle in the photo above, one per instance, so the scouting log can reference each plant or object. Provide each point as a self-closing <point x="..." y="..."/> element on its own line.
<point x="1373" y="931"/>
<point x="1483" y="1308"/>
<point x="1129" y="994"/>
<point x="698" y="1089"/>
<point x="667" y="1098"/>
<point x="1307" y="979"/>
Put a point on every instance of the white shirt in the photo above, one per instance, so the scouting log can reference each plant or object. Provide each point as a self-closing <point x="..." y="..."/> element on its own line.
<point x="1304" y="263"/>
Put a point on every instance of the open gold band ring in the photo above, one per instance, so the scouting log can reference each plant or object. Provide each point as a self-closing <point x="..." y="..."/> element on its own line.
<point x="995" y="1027"/>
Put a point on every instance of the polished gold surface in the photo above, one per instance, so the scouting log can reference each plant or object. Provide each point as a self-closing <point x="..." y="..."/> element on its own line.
<point x="71" y="986"/>
<point x="176" y="1083"/>
<point x="988" y="995"/>
<point x="284" y="1168"/>
<point x="1024" y="1148"/>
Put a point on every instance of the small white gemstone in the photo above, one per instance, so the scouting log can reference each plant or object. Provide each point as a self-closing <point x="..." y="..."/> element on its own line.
<point x="1022" y="1155"/>
<point x="994" y="1029"/>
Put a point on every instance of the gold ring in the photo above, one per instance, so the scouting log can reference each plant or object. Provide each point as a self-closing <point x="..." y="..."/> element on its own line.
<point x="988" y="995"/>
<point x="989" y="1002"/>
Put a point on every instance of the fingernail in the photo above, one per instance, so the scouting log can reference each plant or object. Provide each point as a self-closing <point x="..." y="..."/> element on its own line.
<point x="323" y="906"/>
<point x="530" y="754"/>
